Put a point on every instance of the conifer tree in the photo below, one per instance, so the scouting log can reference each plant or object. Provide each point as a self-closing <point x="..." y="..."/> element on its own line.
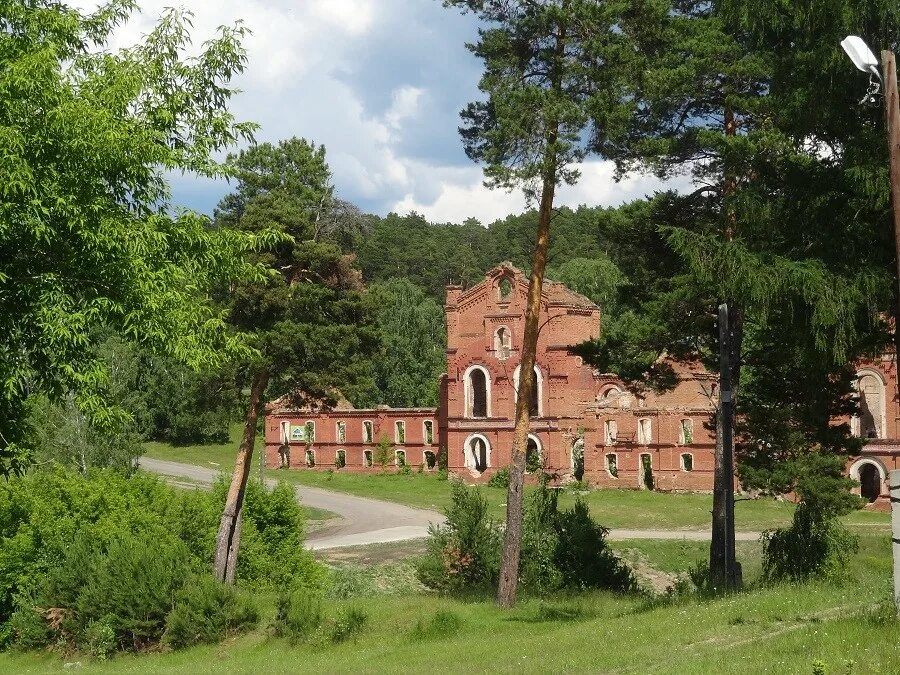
<point x="306" y="321"/>
<point x="551" y="80"/>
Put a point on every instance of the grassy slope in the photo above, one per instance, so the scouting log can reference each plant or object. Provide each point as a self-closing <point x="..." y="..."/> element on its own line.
<point x="776" y="629"/>
<point x="632" y="509"/>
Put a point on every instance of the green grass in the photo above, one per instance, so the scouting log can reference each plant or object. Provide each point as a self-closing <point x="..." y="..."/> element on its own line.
<point x="630" y="509"/>
<point x="781" y="629"/>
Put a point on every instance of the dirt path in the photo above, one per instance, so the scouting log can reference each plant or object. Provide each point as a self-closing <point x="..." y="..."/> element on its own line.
<point x="374" y="521"/>
<point x="363" y="521"/>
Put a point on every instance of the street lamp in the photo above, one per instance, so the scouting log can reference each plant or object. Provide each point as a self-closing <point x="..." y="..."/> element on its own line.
<point x="865" y="60"/>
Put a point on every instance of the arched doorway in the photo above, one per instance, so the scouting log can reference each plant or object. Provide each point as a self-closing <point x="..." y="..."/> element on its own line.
<point x="869" y="481"/>
<point x="477" y="392"/>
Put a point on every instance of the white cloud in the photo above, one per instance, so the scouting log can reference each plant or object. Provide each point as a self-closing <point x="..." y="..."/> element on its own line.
<point x="404" y="105"/>
<point x="462" y="194"/>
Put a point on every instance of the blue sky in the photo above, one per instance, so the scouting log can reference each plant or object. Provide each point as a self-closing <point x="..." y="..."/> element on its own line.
<point x="380" y="83"/>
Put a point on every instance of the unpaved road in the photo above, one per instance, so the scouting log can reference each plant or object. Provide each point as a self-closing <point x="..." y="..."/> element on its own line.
<point x="373" y="521"/>
<point x="363" y="521"/>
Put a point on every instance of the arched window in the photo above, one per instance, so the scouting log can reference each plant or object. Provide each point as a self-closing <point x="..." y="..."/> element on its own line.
<point x="535" y="407"/>
<point x="502" y="343"/>
<point x="578" y="459"/>
<point x="609" y="391"/>
<point x="534" y="454"/>
<point x="428" y="432"/>
<point x="430" y="460"/>
<point x="341" y="432"/>
<point x="477" y="452"/>
<point x="477" y="392"/>
<point x="687" y="461"/>
<point x="400" y="431"/>
<point x="612" y="464"/>
<point x="870" y="422"/>
<point x="400" y="458"/>
<point x="504" y="289"/>
<point x="368" y="432"/>
<point x="340" y="459"/>
<point x="367" y="458"/>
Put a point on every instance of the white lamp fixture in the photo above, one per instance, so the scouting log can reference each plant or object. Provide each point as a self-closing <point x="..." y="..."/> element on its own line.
<point x="861" y="55"/>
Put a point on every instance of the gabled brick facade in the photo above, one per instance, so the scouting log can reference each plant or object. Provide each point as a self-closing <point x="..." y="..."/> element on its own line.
<point x="626" y="439"/>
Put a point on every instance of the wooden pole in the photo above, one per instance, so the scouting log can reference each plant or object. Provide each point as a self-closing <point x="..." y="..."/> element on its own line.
<point x="894" y="487"/>
<point x="722" y="564"/>
<point x="892" y="118"/>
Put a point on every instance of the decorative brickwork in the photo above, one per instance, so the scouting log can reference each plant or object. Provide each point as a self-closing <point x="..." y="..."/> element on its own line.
<point x="585" y="424"/>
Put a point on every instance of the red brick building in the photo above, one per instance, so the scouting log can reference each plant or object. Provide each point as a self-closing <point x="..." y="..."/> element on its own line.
<point x="584" y="424"/>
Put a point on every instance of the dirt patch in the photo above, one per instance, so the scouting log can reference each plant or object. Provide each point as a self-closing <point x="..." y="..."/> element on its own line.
<point x="648" y="577"/>
<point x="372" y="554"/>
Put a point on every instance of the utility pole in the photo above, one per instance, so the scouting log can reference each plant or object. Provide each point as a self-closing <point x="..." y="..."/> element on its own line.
<point x="723" y="568"/>
<point x="892" y="120"/>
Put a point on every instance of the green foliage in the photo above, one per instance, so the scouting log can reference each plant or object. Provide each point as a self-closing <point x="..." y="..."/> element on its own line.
<point x="383" y="453"/>
<point x="500" y="479"/>
<point x="349" y="624"/>
<point x="443" y="624"/>
<point x="560" y="549"/>
<point x="298" y="614"/>
<point x="598" y="279"/>
<point x="206" y="611"/>
<point x="88" y="236"/>
<point x="815" y="545"/>
<point x="463" y="555"/>
<point x="119" y="551"/>
<point x="411" y="359"/>
<point x="272" y="536"/>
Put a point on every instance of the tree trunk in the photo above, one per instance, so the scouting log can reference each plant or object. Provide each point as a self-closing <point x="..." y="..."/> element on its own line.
<point x="512" y="543"/>
<point x="228" y="538"/>
<point x="724" y="570"/>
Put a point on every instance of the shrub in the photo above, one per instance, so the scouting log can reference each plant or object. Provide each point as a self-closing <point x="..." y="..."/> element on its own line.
<point x="443" y="624"/>
<point x="463" y="554"/>
<point x="443" y="460"/>
<point x="206" y="611"/>
<point x="383" y="452"/>
<point x="500" y="479"/>
<point x="583" y="557"/>
<point x="298" y="614"/>
<point x="99" y="640"/>
<point x="815" y="545"/>
<point x="348" y="624"/>
<point x="106" y="549"/>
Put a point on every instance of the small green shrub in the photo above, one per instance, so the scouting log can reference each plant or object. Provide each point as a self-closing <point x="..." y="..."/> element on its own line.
<point x="815" y="545"/>
<point x="463" y="555"/>
<point x="443" y="475"/>
<point x="349" y="623"/>
<point x="442" y="460"/>
<point x="500" y="479"/>
<point x="99" y="640"/>
<point x="206" y="611"/>
<point x="443" y="624"/>
<point x="298" y="614"/>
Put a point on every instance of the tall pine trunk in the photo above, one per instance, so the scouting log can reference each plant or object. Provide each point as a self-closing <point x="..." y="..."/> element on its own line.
<point x="724" y="571"/>
<point x="228" y="540"/>
<point x="512" y="543"/>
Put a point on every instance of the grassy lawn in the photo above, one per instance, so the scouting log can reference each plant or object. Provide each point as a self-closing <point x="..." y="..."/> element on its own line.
<point x="630" y="509"/>
<point x="783" y="629"/>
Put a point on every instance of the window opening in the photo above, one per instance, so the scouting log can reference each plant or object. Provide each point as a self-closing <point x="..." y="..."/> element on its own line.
<point x="612" y="464"/>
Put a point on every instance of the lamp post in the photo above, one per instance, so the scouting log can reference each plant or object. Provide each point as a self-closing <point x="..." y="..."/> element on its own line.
<point x="865" y="60"/>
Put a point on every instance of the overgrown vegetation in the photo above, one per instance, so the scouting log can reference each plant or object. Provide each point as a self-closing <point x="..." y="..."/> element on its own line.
<point x="561" y="549"/>
<point x="107" y="561"/>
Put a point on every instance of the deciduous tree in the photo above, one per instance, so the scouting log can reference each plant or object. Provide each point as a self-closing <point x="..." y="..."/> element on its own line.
<point x="88" y="235"/>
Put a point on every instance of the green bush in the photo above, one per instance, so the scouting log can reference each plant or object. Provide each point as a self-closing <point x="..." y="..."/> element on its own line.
<point x="298" y="614"/>
<point x="99" y="640"/>
<point x="114" y="550"/>
<point x="443" y="624"/>
<point x="560" y="549"/>
<point x="463" y="555"/>
<point x="500" y="479"/>
<point x="815" y="545"/>
<point x="206" y="611"/>
<point x="349" y="623"/>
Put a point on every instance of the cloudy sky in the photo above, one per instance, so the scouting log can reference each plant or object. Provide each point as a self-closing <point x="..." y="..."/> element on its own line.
<point x="380" y="83"/>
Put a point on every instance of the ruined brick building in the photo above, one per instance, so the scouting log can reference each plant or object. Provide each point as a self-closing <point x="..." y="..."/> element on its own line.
<point x="584" y="424"/>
